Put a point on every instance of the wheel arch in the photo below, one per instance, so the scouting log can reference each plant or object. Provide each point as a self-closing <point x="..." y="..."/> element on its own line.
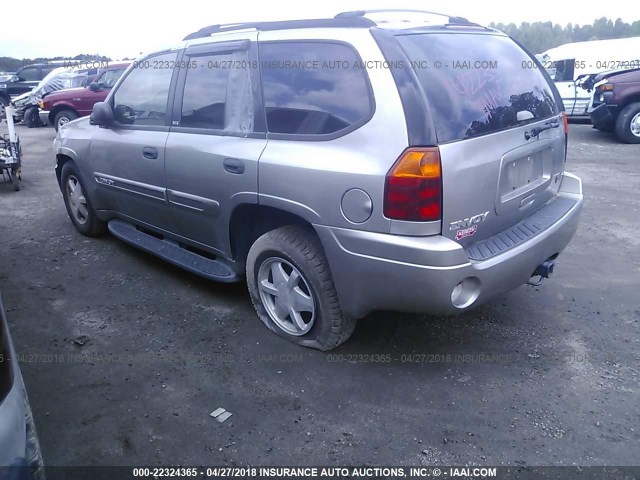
<point x="250" y="221"/>
<point x="61" y="159"/>
<point x="59" y="108"/>
<point x="635" y="98"/>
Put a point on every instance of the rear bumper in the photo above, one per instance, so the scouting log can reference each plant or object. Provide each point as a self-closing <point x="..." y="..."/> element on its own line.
<point x="374" y="271"/>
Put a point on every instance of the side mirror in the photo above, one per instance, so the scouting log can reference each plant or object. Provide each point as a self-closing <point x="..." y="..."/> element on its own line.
<point x="101" y="115"/>
<point x="94" y="87"/>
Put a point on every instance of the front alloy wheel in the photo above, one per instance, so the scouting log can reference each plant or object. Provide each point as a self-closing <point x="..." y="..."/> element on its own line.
<point x="78" y="203"/>
<point x="77" y="200"/>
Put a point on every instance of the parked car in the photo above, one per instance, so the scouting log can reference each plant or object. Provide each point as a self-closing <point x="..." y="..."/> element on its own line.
<point x="616" y="104"/>
<point x="58" y="108"/>
<point x="572" y="64"/>
<point x="27" y="104"/>
<point x="24" y="80"/>
<point x="20" y="457"/>
<point x="382" y="184"/>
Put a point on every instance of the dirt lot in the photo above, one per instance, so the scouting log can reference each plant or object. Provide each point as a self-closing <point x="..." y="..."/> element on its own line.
<point x="125" y="356"/>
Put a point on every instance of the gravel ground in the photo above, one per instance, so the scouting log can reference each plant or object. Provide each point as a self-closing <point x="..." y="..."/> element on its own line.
<point x="125" y="356"/>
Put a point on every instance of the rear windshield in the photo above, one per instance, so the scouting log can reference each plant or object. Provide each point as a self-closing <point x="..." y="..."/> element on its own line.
<point x="477" y="83"/>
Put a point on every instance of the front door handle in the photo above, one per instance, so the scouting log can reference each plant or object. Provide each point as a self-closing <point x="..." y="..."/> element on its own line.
<point x="233" y="165"/>
<point x="150" y="152"/>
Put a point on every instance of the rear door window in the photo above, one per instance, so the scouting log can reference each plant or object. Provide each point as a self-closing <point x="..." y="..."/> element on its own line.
<point x="477" y="83"/>
<point x="313" y="88"/>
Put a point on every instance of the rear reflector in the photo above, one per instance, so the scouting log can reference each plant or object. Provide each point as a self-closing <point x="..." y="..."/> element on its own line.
<point x="413" y="189"/>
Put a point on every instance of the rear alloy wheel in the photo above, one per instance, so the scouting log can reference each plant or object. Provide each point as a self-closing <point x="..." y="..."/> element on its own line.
<point x="78" y="204"/>
<point x="32" y="118"/>
<point x="292" y="289"/>
<point x="628" y="124"/>
<point x="63" y="117"/>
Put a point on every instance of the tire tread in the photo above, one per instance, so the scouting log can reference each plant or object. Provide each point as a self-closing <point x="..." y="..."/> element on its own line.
<point x="307" y="243"/>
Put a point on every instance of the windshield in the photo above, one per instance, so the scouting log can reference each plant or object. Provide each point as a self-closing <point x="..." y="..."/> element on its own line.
<point x="60" y="80"/>
<point x="477" y="83"/>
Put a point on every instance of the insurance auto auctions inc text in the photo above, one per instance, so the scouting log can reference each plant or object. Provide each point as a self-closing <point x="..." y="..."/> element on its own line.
<point x="376" y="472"/>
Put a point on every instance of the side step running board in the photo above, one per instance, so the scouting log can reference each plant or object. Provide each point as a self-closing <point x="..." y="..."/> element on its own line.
<point x="173" y="253"/>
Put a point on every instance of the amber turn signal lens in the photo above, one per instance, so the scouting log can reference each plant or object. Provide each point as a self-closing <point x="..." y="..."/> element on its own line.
<point x="423" y="162"/>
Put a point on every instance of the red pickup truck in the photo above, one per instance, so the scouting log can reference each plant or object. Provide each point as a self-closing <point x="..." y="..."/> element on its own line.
<point x="58" y="108"/>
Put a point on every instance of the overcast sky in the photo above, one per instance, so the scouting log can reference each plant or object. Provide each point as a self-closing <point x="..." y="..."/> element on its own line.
<point x="125" y="28"/>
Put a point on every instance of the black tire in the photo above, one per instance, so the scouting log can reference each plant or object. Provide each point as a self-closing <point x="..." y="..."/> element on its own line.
<point x="301" y="248"/>
<point x="624" y="126"/>
<point x="4" y="103"/>
<point x="15" y="180"/>
<point x="92" y="226"/>
<point x="31" y="117"/>
<point x="64" y="116"/>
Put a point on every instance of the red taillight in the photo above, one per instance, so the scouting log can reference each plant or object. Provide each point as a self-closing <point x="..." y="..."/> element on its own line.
<point x="413" y="190"/>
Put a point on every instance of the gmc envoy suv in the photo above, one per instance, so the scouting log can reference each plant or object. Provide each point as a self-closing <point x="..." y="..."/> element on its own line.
<point x="378" y="160"/>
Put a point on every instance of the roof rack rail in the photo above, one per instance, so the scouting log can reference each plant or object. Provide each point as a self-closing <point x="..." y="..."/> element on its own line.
<point x="364" y="13"/>
<point x="338" y="22"/>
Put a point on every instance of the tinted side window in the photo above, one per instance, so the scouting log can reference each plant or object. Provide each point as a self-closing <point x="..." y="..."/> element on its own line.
<point x="109" y="78"/>
<point x="141" y="99"/>
<point x="313" y="88"/>
<point x="217" y="93"/>
<point x="29" y="74"/>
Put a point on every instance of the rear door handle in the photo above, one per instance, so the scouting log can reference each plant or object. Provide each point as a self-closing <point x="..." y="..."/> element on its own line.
<point x="233" y="165"/>
<point x="150" y="152"/>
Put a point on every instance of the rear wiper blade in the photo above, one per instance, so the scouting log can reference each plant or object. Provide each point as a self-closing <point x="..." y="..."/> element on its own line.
<point x="555" y="123"/>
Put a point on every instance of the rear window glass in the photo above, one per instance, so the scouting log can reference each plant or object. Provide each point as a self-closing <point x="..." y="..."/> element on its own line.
<point x="312" y="88"/>
<point x="477" y="84"/>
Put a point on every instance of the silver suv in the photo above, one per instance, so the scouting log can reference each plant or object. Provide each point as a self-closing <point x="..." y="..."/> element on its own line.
<point x="380" y="160"/>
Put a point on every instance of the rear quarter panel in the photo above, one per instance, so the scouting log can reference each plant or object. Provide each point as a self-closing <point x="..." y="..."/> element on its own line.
<point x="310" y="178"/>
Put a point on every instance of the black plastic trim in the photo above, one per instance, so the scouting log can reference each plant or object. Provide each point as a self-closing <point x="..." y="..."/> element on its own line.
<point x="420" y="128"/>
<point x="357" y="22"/>
<point x="521" y="232"/>
<point x="193" y="262"/>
